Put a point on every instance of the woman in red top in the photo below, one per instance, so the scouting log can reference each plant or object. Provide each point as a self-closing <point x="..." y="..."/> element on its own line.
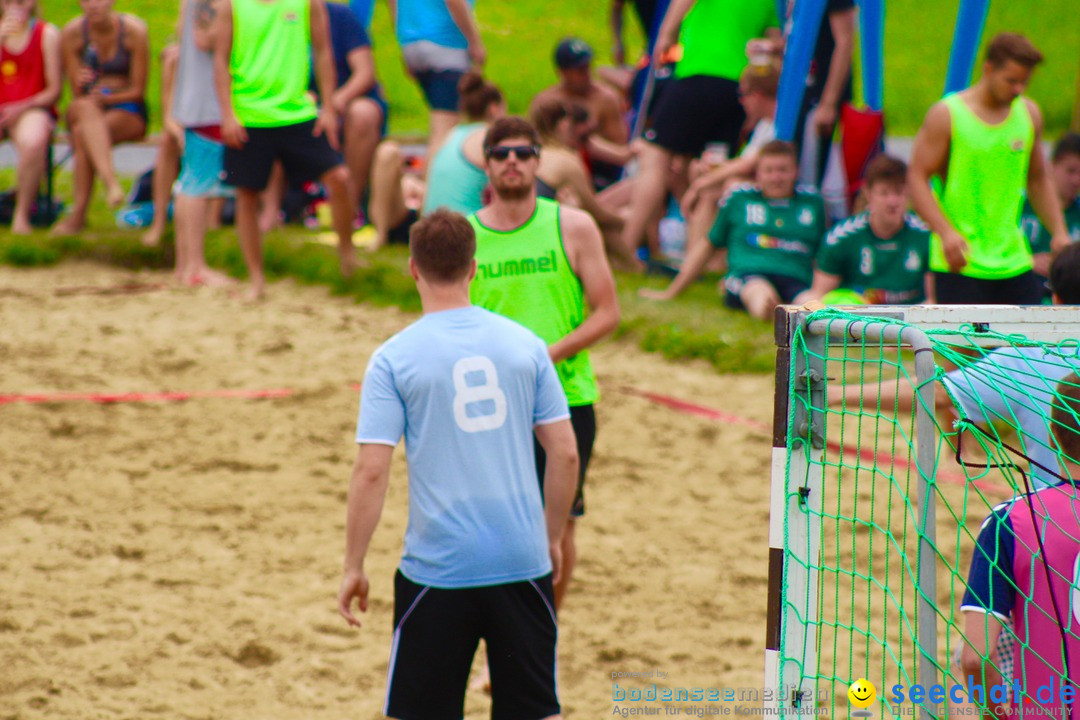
<point x="29" y="87"/>
<point x="105" y="56"/>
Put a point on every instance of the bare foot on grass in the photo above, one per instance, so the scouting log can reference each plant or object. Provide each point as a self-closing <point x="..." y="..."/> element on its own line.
<point x="69" y="225"/>
<point x="115" y="196"/>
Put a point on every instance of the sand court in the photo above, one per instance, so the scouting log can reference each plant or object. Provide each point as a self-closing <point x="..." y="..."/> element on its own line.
<point x="180" y="558"/>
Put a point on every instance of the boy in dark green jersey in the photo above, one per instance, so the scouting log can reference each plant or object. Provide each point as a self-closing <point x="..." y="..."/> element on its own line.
<point x="1065" y="176"/>
<point x="771" y="232"/>
<point x="880" y="254"/>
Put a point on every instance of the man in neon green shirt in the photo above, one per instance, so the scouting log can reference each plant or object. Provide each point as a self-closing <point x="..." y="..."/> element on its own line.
<point x="982" y="147"/>
<point x="543" y="265"/>
<point x="263" y="51"/>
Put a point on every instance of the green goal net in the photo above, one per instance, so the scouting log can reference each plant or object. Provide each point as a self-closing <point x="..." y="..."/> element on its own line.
<point x="901" y="437"/>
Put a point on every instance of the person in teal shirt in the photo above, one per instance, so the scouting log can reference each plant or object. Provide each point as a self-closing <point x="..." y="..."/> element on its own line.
<point x="1065" y="175"/>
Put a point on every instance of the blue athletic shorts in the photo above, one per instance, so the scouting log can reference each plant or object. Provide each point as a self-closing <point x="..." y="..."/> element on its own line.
<point x="201" y="168"/>
<point x="440" y="88"/>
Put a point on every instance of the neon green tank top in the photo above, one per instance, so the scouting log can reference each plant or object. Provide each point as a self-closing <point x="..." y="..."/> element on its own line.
<point x="271" y="62"/>
<point x="984" y="190"/>
<point x="524" y="275"/>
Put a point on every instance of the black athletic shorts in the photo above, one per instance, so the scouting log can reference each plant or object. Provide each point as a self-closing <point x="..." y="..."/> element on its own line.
<point x="304" y="156"/>
<point x="955" y="289"/>
<point x="436" y="632"/>
<point x="583" y="418"/>
<point x="787" y="287"/>
<point x="696" y="111"/>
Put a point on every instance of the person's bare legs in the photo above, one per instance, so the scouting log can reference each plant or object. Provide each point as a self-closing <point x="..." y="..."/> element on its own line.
<point x="339" y="192"/>
<point x="215" y="207"/>
<point x="93" y="132"/>
<point x="166" y="169"/>
<point x="363" y="122"/>
<point x="760" y="298"/>
<point x="191" y="220"/>
<point x="31" y="135"/>
<point x="649" y="190"/>
<point x="247" y="229"/>
<point x="440" y="123"/>
<point x="386" y="206"/>
<point x="270" y="211"/>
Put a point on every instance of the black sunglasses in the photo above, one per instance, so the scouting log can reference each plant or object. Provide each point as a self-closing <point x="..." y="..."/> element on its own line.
<point x="521" y="152"/>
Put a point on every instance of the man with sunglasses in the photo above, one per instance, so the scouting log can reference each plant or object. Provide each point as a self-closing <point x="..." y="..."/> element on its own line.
<point x="543" y="265"/>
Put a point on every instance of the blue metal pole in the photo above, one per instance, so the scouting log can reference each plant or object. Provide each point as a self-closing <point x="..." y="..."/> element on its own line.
<point x="872" y="29"/>
<point x="797" y="56"/>
<point x="970" y="21"/>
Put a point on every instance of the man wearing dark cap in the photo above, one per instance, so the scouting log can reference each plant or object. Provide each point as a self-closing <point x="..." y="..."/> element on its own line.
<point x="573" y="61"/>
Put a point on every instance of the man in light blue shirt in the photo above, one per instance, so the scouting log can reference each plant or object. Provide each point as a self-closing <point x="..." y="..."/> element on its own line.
<point x="467" y="389"/>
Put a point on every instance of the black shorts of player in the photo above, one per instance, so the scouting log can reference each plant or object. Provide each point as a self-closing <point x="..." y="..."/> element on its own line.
<point x="304" y="156"/>
<point x="696" y="111"/>
<point x="583" y="418"/>
<point x="399" y="234"/>
<point x="787" y="287"/>
<point x="436" y="632"/>
<point x="955" y="289"/>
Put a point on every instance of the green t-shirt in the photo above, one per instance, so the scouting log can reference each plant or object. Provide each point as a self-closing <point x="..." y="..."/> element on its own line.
<point x="271" y="63"/>
<point x="524" y="274"/>
<point x="763" y="236"/>
<point x="884" y="271"/>
<point x="1039" y="236"/>
<point x="714" y="34"/>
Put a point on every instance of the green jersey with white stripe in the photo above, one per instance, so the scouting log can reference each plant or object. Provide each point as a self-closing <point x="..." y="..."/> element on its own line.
<point x="1039" y="236"/>
<point x="885" y="271"/>
<point x="770" y="235"/>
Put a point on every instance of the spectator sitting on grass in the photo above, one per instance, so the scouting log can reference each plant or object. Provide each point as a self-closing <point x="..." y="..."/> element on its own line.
<point x="606" y="149"/>
<point x="562" y="175"/>
<point x="880" y="255"/>
<point x="757" y="93"/>
<point x="771" y="232"/>
<point x="456" y="179"/>
<point x="105" y="57"/>
<point x="29" y="89"/>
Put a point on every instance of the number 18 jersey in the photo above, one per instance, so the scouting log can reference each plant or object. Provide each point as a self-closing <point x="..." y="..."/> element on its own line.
<point x="465" y="387"/>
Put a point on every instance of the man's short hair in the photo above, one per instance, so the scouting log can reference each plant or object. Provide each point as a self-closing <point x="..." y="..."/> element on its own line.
<point x="778" y="148"/>
<point x="443" y="245"/>
<point x="1065" y="275"/>
<point x="761" y="78"/>
<point x="1069" y="144"/>
<point x="1065" y="416"/>
<point x="886" y="168"/>
<point x="510" y="127"/>
<point x="1012" y="46"/>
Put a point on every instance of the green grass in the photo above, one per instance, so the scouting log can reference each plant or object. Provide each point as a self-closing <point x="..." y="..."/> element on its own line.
<point x="521" y="34"/>
<point x="695" y="326"/>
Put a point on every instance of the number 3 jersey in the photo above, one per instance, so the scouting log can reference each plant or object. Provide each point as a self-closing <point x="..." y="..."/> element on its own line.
<point x="885" y="272"/>
<point x="774" y="236"/>
<point x="466" y="387"/>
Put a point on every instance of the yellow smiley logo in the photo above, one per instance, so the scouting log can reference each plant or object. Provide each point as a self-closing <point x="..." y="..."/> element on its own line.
<point x="862" y="693"/>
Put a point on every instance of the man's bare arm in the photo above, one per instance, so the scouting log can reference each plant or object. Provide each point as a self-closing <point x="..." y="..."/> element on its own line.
<point x="462" y="15"/>
<point x="842" y="25"/>
<point x="585" y="250"/>
<point x="367" y="493"/>
<point x="930" y="157"/>
<point x="1040" y="189"/>
<point x="205" y="17"/>
<point x="560" y="482"/>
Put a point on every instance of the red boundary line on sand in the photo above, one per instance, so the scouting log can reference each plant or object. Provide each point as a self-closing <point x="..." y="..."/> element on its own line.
<point x="667" y="401"/>
<point x="866" y="454"/>
<point x="132" y="397"/>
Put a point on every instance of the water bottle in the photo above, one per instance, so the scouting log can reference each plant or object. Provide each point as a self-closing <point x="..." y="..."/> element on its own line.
<point x="90" y="60"/>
